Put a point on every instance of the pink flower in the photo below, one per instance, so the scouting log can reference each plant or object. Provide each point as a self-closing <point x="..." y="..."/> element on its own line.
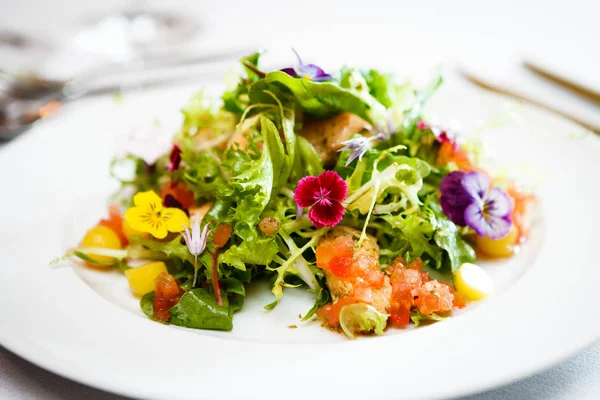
<point x="324" y="193"/>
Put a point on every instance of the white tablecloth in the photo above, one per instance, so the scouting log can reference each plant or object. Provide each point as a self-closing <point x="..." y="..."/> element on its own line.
<point x="577" y="378"/>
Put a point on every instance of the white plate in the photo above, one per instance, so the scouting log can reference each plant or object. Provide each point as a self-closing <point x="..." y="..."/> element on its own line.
<point x="86" y="326"/>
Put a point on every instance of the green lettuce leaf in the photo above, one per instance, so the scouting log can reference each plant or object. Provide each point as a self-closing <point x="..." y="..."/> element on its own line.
<point x="414" y="114"/>
<point x="323" y="298"/>
<point x="360" y="317"/>
<point x="414" y="233"/>
<point x="417" y="317"/>
<point x="401" y="175"/>
<point x="257" y="252"/>
<point x="147" y="304"/>
<point x="447" y="236"/>
<point x="202" y="172"/>
<point x="236" y="100"/>
<point x="198" y="309"/>
<point x="385" y="89"/>
<point x="319" y="99"/>
<point x="307" y="160"/>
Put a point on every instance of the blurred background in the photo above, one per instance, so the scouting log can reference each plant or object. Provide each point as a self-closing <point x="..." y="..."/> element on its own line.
<point x="112" y="46"/>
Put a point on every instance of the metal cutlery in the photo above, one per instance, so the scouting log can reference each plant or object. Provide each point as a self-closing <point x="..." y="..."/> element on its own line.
<point x="24" y="99"/>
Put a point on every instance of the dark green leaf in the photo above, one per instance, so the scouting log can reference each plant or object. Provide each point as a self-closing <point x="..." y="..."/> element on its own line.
<point x="236" y="302"/>
<point x="322" y="298"/>
<point x="147" y="304"/>
<point x="448" y="238"/>
<point x="198" y="309"/>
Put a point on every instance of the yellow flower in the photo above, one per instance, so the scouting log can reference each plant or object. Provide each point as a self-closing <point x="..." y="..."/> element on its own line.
<point x="150" y="216"/>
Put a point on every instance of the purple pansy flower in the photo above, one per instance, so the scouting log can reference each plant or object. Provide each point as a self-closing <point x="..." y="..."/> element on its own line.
<point x="307" y="71"/>
<point x="468" y="201"/>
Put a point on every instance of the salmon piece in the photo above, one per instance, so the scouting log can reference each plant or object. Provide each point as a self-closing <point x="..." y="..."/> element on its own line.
<point x="328" y="135"/>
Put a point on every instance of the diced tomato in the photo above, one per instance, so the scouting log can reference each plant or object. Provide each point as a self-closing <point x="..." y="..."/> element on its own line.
<point x="400" y="303"/>
<point x="341" y="247"/>
<point x="115" y="223"/>
<point x="459" y="300"/>
<point x="368" y="269"/>
<point x="167" y="293"/>
<point x="452" y="153"/>
<point x="331" y="312"/>
<point x="416" y="264"/>
<point x="180" y="192"/>
<point x="434" y="297"/>
<point x="341" y="266"/>
<point x="523" y="207"/>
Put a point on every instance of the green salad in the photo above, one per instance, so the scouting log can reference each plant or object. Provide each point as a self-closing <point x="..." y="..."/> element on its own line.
<point x="331" y="183"/>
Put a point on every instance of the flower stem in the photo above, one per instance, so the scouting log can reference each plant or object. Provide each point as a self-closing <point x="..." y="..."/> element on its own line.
<point x="215" y="278"/>
<point x="195" y="271"/>
<point x="252" y="68"/>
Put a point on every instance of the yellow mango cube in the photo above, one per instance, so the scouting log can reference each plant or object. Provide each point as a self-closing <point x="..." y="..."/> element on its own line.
<point x="141" y="279"/>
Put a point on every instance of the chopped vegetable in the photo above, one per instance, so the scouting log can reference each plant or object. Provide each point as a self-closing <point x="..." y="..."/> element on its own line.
<point x="103" y="237"/>
<point x="142" y="279"/>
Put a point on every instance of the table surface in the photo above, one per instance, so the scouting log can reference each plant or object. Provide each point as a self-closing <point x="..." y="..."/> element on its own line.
<point x="458" y="28"/>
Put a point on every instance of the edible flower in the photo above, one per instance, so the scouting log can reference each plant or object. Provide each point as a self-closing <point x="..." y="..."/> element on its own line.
<point x="174" y="158"/>
<point x="172" y="202"/>
<point x="195" y="242"/>
<point x="196" y="239"/>
<point x="148" y="141"/>
<point x="149" y="215"/>
<point x="441" y="134"/>
<point x="311" y="72"/>
<point x="324" y="193"/>
<point x="468" y="201"/>
<point x="359" y="145"/>
<point x="450" y="151"/>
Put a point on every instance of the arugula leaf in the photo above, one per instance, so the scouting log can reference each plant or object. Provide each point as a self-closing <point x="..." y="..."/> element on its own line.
<point x="319" y="99"/>
<point x="198" y="309"/>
